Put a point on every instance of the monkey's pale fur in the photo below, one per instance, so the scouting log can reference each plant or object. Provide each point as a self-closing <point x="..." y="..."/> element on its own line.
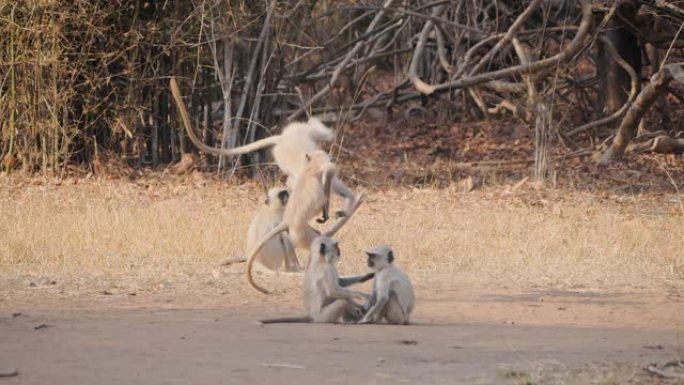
<point x="278" y="252"/>
<point x="324" y="299"/>
<point x="288" y="151"/>
<point x="392" y="298"/>
<point x="295" y="140"/>
<point x="310" y="196"/>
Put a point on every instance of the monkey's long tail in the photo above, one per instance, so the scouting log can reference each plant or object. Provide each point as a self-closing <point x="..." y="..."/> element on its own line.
<point x="175" y="91"/>
<point x="287" y="320"/>
<point x="250" y="261"/>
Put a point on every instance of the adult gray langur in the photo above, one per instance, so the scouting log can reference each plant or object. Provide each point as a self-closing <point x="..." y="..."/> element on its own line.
<point x="392" y="298"/>
<point x="278" y="252"/>
<point x="325" y="298"/>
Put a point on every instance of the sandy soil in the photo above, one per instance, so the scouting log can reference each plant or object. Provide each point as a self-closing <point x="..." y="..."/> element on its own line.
<point x="476" y="337"/>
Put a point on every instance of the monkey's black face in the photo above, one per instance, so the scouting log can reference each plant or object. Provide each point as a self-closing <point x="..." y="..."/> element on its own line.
<point x="284" y="196"/>
<point x="371" y="260"/>
<point x="333" y="250"/>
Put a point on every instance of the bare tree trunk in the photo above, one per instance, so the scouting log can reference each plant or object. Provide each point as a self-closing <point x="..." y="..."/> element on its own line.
<point x="229" y="137"/>
<point x="542" y="129"/>
<point x="643" y="102"/>
<point x="154" y="137"/>
<point x="615" y="81"/>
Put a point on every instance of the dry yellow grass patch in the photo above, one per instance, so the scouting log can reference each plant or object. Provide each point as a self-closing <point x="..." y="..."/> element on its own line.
<point x="121" y="236"/>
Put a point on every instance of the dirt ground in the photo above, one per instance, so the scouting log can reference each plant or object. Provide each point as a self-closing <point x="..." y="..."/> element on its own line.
<point x="464" y="337"/>
<point x="105" y="283"/>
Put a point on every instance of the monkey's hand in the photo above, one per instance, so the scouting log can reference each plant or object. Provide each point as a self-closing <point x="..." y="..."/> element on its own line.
<point x="324" y="218"/>
<point x="364" y="320"/>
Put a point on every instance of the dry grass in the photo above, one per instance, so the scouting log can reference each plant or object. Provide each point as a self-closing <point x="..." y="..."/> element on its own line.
<point x="173" y="236"/>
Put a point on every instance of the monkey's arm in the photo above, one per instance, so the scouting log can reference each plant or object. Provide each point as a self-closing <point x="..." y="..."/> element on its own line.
<point x="328" y="176"/>
<point x="378" y="300"/>
<point x="371" y="301"/>
<point x="374" y="312"/>
<point x="346" y="281"/>
<point x="335" y="291"/>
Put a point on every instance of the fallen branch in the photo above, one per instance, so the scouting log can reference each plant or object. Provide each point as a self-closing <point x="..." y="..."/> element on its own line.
<point x="663" y="144"/>
<point x="648" y="95"/>
<point x="504" y="162"/>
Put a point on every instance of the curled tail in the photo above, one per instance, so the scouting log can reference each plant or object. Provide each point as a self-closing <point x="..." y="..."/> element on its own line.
<point x="287" y="320"/>
<point x="250" y="261"/>
<point x="175" y="91"/>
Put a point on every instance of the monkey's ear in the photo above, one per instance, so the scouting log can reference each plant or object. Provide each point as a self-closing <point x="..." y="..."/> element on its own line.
<point x="308" y="157"/>
<point x="283" y="196"/>
<point x="322" y="248"/>
<point x="390" y="256"/>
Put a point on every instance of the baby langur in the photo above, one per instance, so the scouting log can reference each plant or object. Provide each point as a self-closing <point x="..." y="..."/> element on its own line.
<point x="288" y="151"/>
<point x="392" y="298"/>
<point x="309" y="197"/>
<point x="279" y="250"/>
<point x="325" y="298"/>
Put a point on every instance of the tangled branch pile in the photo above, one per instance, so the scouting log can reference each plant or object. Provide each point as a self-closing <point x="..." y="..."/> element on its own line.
<point x="80" y="80"/>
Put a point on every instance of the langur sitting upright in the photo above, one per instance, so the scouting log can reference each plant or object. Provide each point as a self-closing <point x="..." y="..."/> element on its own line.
<point x="278" y="252"/>
<point x="392" y="298"/>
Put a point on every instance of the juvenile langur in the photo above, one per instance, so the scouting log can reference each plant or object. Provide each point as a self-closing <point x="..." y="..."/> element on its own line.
<point x="278" y="252"/>
<point x="309" y="197"/>
<point x="288" y="151"/>
<point x="392" y="298"/>
<point x="325" y="298"/>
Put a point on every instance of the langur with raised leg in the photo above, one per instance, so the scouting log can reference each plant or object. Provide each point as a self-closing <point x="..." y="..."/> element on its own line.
<point x="309" y="197"/>
<point x="296" y="139"/>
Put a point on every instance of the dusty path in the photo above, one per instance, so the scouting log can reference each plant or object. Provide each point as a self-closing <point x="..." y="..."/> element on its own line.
<point x="226" y="346"/>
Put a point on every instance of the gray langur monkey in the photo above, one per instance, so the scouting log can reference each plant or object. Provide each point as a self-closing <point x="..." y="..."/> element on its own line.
<point x="310" y="196"/>
<point x="296" y="139"/>
<point x="278" y="252"/>
<point x="392" y="298"/>
<point x="325" y="298"/>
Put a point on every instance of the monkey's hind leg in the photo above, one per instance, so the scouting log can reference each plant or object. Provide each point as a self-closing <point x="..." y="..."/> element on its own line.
<point x="345" y="192"/>
<point x="393" y="312"/>
<point x="332" y="312"/>
<point x="290" y="256"/>
<point x="341" y="221"/>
